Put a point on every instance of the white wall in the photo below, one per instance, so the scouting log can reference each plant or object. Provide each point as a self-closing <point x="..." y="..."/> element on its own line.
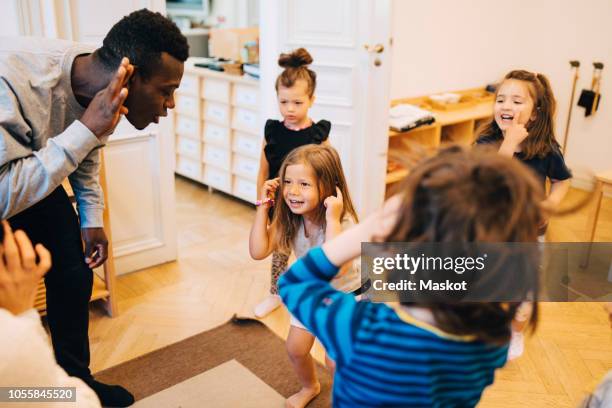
<point x="443" y="45"/>
<point x="237" y="13"/>
<point x="9" y="22"/>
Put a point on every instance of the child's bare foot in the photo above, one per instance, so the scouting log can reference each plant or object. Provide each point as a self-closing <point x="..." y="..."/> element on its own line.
<point x="303" y="397"/>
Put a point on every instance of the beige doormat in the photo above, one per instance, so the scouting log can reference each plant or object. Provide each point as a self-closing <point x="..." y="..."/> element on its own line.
<point x="229" y="385"/>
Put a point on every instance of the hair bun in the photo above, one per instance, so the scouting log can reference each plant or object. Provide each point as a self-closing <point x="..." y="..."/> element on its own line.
<point x="295" y="59"/>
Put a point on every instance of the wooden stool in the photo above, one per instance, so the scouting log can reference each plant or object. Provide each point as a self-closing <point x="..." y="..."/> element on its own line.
<point x="603" y="184"/>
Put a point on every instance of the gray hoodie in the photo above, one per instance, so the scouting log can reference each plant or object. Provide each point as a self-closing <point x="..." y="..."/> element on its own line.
<point x="42" y="140"/>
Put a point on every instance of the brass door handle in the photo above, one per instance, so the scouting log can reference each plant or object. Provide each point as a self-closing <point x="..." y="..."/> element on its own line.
<point x="378" y="48"/>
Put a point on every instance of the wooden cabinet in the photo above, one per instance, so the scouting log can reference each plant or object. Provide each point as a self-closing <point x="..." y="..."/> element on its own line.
<point x="217" y="131"/>
<point x="454" y="125"/>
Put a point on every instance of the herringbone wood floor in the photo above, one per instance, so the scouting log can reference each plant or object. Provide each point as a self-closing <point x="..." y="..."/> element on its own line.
<point x="214" y="278"/>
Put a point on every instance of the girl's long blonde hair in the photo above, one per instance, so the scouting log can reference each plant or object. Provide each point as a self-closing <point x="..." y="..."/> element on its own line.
<point x="327" y="168"/>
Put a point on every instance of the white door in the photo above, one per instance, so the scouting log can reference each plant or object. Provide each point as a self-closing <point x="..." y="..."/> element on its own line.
<point x="349" y="41"/>
<point x="139" y="164"/>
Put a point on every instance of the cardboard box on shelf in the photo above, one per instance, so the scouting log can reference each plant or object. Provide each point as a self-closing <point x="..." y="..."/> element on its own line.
<point x="228" y="42"/>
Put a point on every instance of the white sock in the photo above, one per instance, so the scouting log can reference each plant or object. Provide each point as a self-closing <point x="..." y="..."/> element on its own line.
<point x="517" y="345"/>
<point x="267" y="305"/>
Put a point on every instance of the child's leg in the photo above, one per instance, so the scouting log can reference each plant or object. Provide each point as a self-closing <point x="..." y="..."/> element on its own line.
<point x="517" y="342"/>
<point x="299" y="343"/>
<point x="522" y="316"/>
<point x="279" y="265"/>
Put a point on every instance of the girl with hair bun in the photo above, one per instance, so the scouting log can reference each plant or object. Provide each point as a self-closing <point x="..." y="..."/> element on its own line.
<point x="295" y="88"/>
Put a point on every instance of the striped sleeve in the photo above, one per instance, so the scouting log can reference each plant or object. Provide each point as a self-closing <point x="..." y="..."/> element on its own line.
<point x="332" y="316"/>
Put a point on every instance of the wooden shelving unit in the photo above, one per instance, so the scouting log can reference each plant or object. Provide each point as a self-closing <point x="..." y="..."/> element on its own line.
<point x="452" y="126"/>
<point x="103" y="288"/>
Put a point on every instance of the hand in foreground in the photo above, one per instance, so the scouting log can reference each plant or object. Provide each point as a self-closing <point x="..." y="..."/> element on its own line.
<point x="20" y="271"/>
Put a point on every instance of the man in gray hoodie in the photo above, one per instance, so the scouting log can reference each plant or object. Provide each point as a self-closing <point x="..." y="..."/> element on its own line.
<point x="59" y="102"/>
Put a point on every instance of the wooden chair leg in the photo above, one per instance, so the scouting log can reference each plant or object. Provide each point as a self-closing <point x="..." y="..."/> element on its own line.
<point x="592" y="223"/>
<point x="109" y="266"/>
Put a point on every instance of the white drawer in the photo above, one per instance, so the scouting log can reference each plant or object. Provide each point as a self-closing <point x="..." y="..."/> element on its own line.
<point x="245" y="167"/>
<point x="245" y="95"/>
<point x="245" y="189"/>
<point x="216" y="89"/>
<point x="245" y="119"/>
<point x="218" y="178"/>
<point x="216" y="112"/>
<point x="189" y="85"/>
<point x="247" y="144"/>
<point x="217" y="135"/>
<point x="217" y="156"/>
<point x="186" y="146"/>
<point x="187" y="105"/>
<point x="189" y="168"/>
<point x="187" y="126"/>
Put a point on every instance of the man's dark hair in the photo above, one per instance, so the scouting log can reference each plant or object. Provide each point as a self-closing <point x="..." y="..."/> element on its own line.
<point x="142" y="36"/>
<point x="1" y="234"/>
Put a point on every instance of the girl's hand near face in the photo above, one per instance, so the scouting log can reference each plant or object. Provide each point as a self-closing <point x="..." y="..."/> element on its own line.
<point x="513" y="137"/>
<point x="268" y="190"/>
<point x="517" y="132"/>
<point x="375" y="228"/>
<point x="334" y="206"/>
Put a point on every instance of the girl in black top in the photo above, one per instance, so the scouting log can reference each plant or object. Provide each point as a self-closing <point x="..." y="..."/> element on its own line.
<point x="523" y="127"/>
<point x="295" y="88"/>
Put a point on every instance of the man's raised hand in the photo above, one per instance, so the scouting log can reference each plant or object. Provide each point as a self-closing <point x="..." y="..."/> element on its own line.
<point x="105" y="109"/>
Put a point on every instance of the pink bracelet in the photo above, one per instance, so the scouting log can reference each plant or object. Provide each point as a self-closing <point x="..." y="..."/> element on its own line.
<point x="266" y="201"/>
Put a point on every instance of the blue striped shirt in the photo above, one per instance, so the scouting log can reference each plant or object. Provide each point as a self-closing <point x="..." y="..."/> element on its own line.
<point x="384" y="357"/>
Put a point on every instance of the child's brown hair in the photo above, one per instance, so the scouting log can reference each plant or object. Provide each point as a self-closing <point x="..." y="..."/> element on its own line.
<point x="541" y="139"/>
<point x="327" y="168"/>
<point x="295" y="66"/>
<point x="471" y="196"/>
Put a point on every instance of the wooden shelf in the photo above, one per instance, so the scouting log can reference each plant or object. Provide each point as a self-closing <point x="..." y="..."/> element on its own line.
<point x="395" y="176"/>
<point x="103" y="288"/>
<point x="99" y="292"/>
<point x="456" y="126"/>
<point x="393" y="133"/>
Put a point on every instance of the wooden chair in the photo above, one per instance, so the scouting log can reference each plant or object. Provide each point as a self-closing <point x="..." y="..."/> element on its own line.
<point x="603" y="183"/>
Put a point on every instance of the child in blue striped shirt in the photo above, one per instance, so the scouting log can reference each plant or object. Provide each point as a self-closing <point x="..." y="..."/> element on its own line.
<point x="420" y="355"/>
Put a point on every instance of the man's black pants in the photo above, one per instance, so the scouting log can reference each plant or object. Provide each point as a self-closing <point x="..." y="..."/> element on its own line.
<point x="54" y="223"/>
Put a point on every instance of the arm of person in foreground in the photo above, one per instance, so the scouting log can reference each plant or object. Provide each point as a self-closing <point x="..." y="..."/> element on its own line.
<point x="26" y="357"/>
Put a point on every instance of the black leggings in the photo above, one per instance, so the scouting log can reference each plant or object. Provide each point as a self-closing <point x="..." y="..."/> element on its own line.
<point x="53" y="222"/>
